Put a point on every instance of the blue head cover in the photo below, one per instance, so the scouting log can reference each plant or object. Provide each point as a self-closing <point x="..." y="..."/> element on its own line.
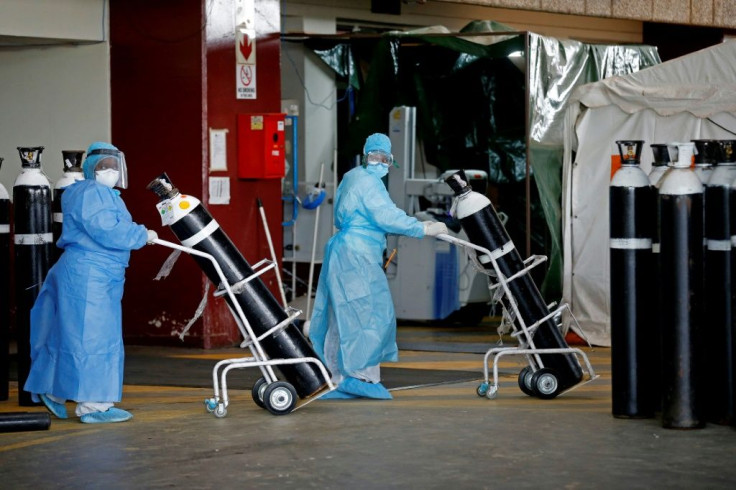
<point x="377" y="149"/>
<point x="91" y="161"/>
<point x="377" y="142"/>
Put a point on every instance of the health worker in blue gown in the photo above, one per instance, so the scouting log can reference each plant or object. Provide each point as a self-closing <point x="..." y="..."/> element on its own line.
<point x="353" y="326"/>
<point x="76" y="322"/>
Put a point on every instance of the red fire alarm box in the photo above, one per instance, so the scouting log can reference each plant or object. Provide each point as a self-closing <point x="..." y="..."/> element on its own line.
<point x="261" y="139"/>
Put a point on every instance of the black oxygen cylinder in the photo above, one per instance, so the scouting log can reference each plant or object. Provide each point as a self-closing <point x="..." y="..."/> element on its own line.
<point x="718" y="343"/>
<point x="681" y="211"/>
<point x="718" y="306"/>
<point x="33" y="241"/>
<point x="72" y="160"/>
<point x="483" y="227"/>
<point x="632" y="212"/>
<point x="4" y="292"/>
<point x="660" y="167"/>
<point x="24" y="421"/>
<point x="195" y="228"/>
<point x="704" y="160"/>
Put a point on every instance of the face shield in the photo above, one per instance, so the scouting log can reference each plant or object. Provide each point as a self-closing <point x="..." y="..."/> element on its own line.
<point x="112" y="161"/>
<point x="376" y="157"/>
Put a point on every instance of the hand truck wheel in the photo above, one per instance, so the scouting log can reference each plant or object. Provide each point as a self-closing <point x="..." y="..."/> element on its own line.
<point x="280" y="398"/>
<point x="492" y="392"/>
<point x="220" y="411"/>
<point x="257" y="392"/>
<point x="545" y="384"/>
<point x="525" y="380"/>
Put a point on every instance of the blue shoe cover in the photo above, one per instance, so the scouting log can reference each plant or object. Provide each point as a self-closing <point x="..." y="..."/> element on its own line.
<point x="111" y="415"/>
<point x="337" y="395"/>
<point x="357" y="387"/>
<point x="58" y="409"/>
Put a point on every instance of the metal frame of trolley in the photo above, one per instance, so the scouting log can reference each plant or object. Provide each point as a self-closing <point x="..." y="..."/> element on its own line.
<point x="534" y="380"/>
<point x="278" y="397"/>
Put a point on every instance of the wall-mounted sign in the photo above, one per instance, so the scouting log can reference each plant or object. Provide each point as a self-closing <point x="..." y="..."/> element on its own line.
<point x="245" y="50"/>
<point x="218" y="149"/>
<point x="219" y="190"/>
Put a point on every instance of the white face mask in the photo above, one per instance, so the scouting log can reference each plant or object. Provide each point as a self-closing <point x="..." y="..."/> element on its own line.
<point x="108" y="177"/>
<point x="379" y="169"/>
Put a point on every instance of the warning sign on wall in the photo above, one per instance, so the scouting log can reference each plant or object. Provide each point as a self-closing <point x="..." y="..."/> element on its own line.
<point x="246" y="81"/>
<point x="245" y="67"/>
<point x="246" y="52"/>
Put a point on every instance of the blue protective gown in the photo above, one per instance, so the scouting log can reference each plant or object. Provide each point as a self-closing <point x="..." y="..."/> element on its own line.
<point x="76" y="321"/>
<point x="353" y="294"/>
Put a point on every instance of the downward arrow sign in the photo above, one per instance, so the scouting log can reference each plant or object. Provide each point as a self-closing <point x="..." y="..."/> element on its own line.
<point x="247" y="48"/>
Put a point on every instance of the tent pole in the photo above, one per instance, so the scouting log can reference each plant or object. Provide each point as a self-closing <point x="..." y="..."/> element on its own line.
<point x="527" y="63"/>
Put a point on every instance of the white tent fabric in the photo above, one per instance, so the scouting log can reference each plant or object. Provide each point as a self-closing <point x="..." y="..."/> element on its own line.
<point x="692" y="97"/>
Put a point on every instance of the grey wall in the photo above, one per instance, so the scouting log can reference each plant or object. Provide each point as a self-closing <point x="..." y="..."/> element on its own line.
<point x="54" y="80"/>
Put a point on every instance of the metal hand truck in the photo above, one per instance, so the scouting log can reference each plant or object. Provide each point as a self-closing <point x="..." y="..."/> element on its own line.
<point x="534" y="379"/>
<point x="278" y="397"/>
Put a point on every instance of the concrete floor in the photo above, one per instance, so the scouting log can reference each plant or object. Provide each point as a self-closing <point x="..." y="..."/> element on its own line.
<point x="438" y="436"/>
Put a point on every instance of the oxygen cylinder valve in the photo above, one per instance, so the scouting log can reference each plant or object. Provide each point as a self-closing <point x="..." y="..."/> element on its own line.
<point x="681" y="154"/>
<point x="72" y="160"/>
<point x="30" y="157"/>
<point x="162" y="187"/>
<point x="630" y="151"/>
<point x="458" y="182"/>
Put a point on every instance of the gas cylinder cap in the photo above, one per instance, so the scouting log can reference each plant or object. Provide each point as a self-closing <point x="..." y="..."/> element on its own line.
<point x="630" y="151"/>
<point x="659" y="152"/>
<point x="163" y="187"/>
<point x="72" y="160"/>
<point x="707" y="152"/>
<point x="728" y="151"/>
<point x="30" y="156"/>
<point x="458" y="182"/>
<point x="681" y="154"/>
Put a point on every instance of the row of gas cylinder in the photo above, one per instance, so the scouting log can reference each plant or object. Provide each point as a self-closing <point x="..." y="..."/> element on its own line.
<point x="36" y="219"/>
<point x="673" y="268"/>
